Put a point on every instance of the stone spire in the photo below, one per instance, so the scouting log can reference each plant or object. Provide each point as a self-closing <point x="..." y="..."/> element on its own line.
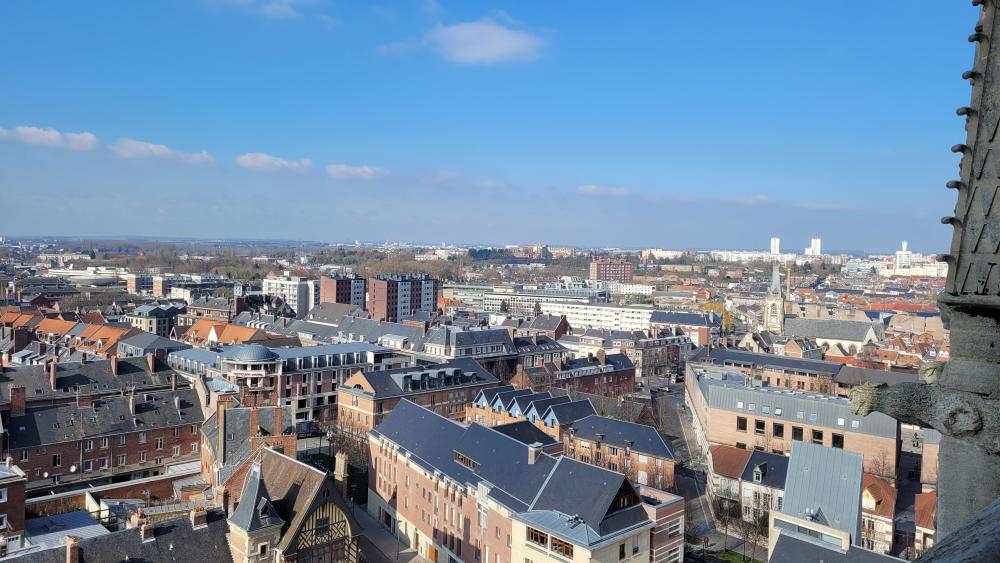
<point x="962" y="397"/>
<point x="775" y="280"/>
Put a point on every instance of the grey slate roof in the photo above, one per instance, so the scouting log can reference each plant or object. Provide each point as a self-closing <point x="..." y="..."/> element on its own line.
<point x="358" y="329"/>
<point x="525" y="432"/>
<point x="539" y="406"/>
<point x="730" y="356"/>
<point x="644" y="439"/>
<point x="255" y="509"/>
<point x="775" y="468"/>
<point x="689" y="318"/>
<point x="850" y="375"/>
<point x="490" y="392"/>
<point x="543" y="323"/>
<point x="238" y="433"/>
<point x="793" y="547"/>
<point x="391" y="383"/>
<point x="89" y="377"/>
<point x="545" y="492"/>
<point x="150" y="342"/>
<point x="570" y="412"/>
<point x="66" y="422"/>
<point x="833" y="329"/>
<point x="175" y="540"/>
<point x="824" y="485"/>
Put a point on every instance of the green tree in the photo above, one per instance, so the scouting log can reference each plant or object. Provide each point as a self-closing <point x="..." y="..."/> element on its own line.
<point x="538" y="309"/>
<point x="504" y="307"/>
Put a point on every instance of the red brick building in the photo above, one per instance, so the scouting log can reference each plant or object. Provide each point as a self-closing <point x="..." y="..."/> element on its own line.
<point x="612" y="270"/>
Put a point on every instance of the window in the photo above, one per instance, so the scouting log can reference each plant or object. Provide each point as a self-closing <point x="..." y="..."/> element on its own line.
<point x="102" y="463"/>
<point x="24" y="455"/>
<point x="194" y="447"/>
<point x="854" y="424"/>
<point x="741" y="445"/>
<point x="142" y="457"/>
<point x="142" y="437"/>
<point x="538" y="538"/>
<point x="104" y="443"/>
<point x="159" y="443"/>
<point x="765" y="409"/>
<point x="262" y="549"/>
<point x="739" y="404"/>
<point x="840" y="421"/>
<point x="56" y="460"/>
<point x="838" y="441"/>
<point x="799" y="415"/>
<point x="797" y="433"/>
<point x="177" y="431"/>
<point x="812" y="417"/>
<point x="752" y="406"/>
<point x="674" y="528"/>
<point x="121" y="439"/>
<point x="562" y="548"/>
<point x="120" y="461"/>
<point x="175" y="451"/>
<point x="817" y="437"/>
<point x="777" y="411"/>
<point x="194" y="428"/>
<point x="3" y="495"/>
<point x="88" y="466"/>
<point x="88" y="445"/>
<point x="778" y="430"/>
<point x="621" y="551"/>
<point x="741" y="423"/>
<point x="759" y="427"/>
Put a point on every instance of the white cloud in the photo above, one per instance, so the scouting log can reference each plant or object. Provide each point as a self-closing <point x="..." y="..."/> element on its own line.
<point x="130" y="148"/>
<point x="50" y="138"/>
<point x="267" y="163"/>
<point x="349" y="172"/>
<point x="591" y="189"/>
<point x="484" y="42"/>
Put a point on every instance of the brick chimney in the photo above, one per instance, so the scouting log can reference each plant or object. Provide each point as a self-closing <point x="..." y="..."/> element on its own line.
<point x="131" y="402"/>
<point x="254" y="421"/>
<point x="220" y="415"/>
<point x="146" y="533"/>
<point x="18" y="399"/>
<point x="279" y="427"/>
<point x="85" y="401"/>
<point x="72" y="549"/>
<point x="114" y="364"/>
<point x="173" y="381"/>
<point x="151" y="362"/>
<point x="602" y="357"/>
<point x="53" y="367"/>
<point x="199" y="518"/>
<point x="534" y="451"/>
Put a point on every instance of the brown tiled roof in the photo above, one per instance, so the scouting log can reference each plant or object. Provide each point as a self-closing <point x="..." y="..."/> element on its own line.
<point x="54" y="326"/>
<point x="884" y="494"/>
<point x="925" y="509"/>
<point x="729" y="461"/>
<point x="92" y="317"/>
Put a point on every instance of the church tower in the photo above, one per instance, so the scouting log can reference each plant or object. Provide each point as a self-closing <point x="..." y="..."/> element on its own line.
<point x="774" y="304"/>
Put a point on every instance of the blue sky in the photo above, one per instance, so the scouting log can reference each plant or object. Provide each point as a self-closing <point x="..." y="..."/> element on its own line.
<point x="641" y="124"/>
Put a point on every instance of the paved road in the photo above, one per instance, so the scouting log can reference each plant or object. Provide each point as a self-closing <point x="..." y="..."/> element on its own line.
<point x="382" y="539"/>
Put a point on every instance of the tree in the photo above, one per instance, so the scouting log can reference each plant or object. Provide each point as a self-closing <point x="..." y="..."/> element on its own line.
<point x="504" y="307"/>
<point x="881" y="466"/>
<point x="538" y="309"/>
<point x="725" y="511"/>
<point x="719" y="308"/>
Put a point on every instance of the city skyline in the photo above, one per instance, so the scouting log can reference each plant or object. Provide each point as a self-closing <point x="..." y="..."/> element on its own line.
<point x="343" y="120"/>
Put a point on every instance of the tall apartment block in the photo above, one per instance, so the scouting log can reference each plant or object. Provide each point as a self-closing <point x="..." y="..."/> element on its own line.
<point x="301" y="294"/>
<point x="350" y="290"/>
<point x="395" y="298"/>
<point x="612" y="270"/>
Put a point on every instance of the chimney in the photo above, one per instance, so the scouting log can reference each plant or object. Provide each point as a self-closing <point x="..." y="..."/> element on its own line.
<point x="254" y="421"/>
<point x="279" y="427"/>
<point x="146" y="533"/>
<point x="557" y="361"/>
<point x="173" y="381"/>
<point x="114" y="364"/>
<point x="18" y="399"/>
<point x="85" y="401"/>
<point x="199" y="518"/>
<point x="72" y="549"/>
<point x="53" y="366"/>
<point x="131" y="402"/>
<point x="220" y="414"/>
<point x="534" y="450"/>
<point x="151" y="362"/>
<point x="177" y="403"/>
<point x="601" y="357"/>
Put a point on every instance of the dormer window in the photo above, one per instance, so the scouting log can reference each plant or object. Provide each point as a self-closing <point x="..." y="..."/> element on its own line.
<point x="758" y="473"/>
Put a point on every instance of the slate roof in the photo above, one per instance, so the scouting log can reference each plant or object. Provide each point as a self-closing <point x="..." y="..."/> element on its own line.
<point x="451" y="336"/>
<point x="490" y="392"/>
<point x="543" y="323"/>
<point x="255" y="509"/>
<point x="367" y="330"/>
<point x="175" y="540"/>
<point x="237" y="449"/>
<point x="539" y="345"/>
<point x="792" y="547"/>
<point x="51" y="531"/>
<point x="743" y="358"/>
<point x="541" y="405"/>
<point x="149" y="341"/>
<point x="568" y="413"/>
<point x="644" y="439"/>
<point x="523" y="401"/>
<point x="689" y="318"/>
<point x="545" y="492"/>
<point x="824" y="485"/>
<point x="851" y="375"/>
<point x="775" y="469"/>
<point x="525" y="432"/>
<point x="93" y="377"/>
<point x="832" y="329"/>
<point x="67" y="422"/>
<point x="331" y="313"/>
<point x="390" y="383"/>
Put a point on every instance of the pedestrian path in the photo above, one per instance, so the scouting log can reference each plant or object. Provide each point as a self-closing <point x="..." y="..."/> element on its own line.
<point x="383" y="539"/>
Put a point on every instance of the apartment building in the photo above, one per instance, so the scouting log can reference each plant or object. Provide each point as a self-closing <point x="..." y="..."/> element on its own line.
<point x="653" y="355"/>
<point x="601" y="315"/>
<point x="299" y="293"/>
<point x="138" y="284"/>
<point x="218" y="309"/>
<point x="346" y="289"/>
<point x="702" y="327"/>
<point x="729" y="408"/>
<point x="102" y="439"/>
<point x="830" y="513"/>
<point x="612" y="270"/>
<point x="395" y="298"/>
<point x="154" y="319"/>
<point x="304" y="378"/>
<point x="611" y="375"/>
<point x="366" y="398"/>
<point x="13" y="494"/>
<point x="521" y="302"/>
<point x="475" y="494"/>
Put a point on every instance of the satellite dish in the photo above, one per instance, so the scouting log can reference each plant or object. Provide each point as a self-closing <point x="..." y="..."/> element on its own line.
<point x="72" y="469"/>
<point x="46" y="474"/>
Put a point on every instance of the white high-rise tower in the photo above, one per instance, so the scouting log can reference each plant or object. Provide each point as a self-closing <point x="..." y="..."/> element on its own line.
<point x="775" y="245"/>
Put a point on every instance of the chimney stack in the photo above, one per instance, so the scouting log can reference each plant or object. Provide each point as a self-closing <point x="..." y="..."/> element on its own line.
<point x="601" y="357"/>
<point x="177" y="402"/>
<point x="220" y="414"/>
<point x="199" y="518"/>
<point x="53" y="366"/>
<point x="534" y="450"/>
<point x="85" y="401"/>
<point x="114" y="364"/>
<point x="173" y="381"/>
<point x="254" y="421"/>
<point x="151" y="363"/>
<point x="146" y="533"/>
<point x="72" y="549"/>
<point x="18" y="399"/>
<point x="131" y="402"/>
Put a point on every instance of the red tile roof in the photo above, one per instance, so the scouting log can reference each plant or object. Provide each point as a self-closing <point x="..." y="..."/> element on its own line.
<point x="729" y="461"/>
<point x="926" y="509"/>
<point x="883" y="492"/>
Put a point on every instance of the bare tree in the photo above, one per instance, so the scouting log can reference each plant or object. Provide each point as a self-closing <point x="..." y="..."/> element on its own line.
<point x="881" y="466"/>
<point x="725" y="511"/>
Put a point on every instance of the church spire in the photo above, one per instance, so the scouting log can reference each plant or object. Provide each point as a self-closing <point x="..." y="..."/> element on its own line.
<point x="775" y="280"/>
